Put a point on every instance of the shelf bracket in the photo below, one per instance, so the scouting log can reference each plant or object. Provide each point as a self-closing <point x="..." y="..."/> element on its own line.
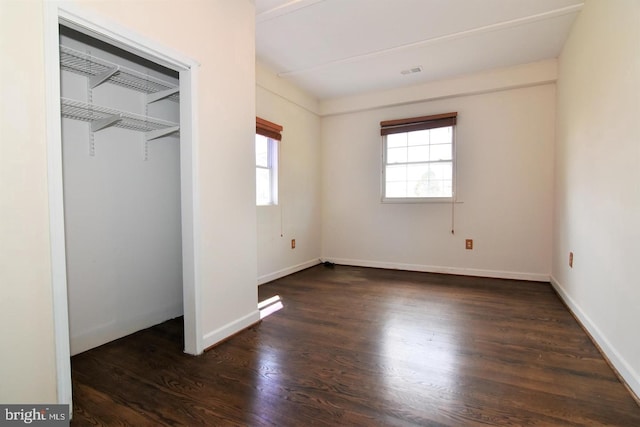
<point x="159" y="133"/>
<point x="155" y="134"/>
<point x="157" y="96"/>
<point x="100" y="124"/>
<point x="98" y="79"/>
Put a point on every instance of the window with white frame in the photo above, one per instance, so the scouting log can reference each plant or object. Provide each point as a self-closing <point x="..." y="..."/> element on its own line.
<point x="419" y="158"/>
<point x="267" y="138"/>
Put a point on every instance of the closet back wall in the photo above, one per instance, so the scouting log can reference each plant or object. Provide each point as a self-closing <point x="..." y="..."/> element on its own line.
<point x="122" y="215"/>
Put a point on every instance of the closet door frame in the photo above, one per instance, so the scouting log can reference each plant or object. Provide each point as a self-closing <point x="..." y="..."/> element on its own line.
<point x="58" y="13"/>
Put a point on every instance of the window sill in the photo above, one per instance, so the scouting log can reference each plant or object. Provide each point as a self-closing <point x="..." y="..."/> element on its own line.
<point x="413" y="200"/>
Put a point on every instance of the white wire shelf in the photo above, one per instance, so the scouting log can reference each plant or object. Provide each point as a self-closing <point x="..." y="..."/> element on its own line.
<point x="103" y="117"/>
<point x="99" y="71"/>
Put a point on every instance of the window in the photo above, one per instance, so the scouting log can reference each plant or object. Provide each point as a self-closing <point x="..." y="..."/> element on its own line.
<point x="267" y="139"/>
<point x="266" y="171"/>
<point x="418" y="158"/>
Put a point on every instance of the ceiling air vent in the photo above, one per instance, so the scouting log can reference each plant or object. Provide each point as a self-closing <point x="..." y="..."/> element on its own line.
<point x="411" y="70"/>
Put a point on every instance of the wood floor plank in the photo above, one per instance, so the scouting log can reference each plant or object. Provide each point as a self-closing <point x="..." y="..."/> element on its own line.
<point x="366" y="347"/>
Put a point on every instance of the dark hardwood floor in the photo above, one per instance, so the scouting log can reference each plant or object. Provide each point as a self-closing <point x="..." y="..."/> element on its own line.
<point x="366" y="347"/>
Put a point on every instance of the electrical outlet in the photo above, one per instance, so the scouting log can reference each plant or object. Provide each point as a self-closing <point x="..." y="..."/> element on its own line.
<point x="571" y="259"/>
<point x="293" y="243"/>
<point x="468" y="244"/>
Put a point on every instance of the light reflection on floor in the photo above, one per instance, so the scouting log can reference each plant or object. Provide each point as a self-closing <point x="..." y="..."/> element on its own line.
<point x="268" y="363"/>
<point x="409" y="350"/>
<point x="269" y="306"/>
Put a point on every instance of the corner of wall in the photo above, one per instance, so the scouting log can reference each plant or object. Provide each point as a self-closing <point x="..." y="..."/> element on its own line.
<point x="268" y="79"/>
<point x="620" y="366"/>
<point x="525" y="75"/>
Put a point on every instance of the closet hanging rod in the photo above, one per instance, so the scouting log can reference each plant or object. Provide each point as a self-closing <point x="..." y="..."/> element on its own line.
<point x="92" y="67"/>
<point x="102" y="117"/>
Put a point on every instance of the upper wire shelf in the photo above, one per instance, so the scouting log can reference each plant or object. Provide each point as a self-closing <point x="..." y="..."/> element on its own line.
<point x="102" y="117"/>
<point x="100" y="70"/>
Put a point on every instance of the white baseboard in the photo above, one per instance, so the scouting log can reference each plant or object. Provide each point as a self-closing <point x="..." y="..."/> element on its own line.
<point x="628" y="374"/>
<point x="536" y="277"/>
<point x="117" y="329"/>
<point x="224" y="332"/>
<point x="287" y="271"/>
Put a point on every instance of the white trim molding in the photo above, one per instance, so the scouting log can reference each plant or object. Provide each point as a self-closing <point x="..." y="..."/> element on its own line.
<point x="226" y="331"/>
<point x="495" y="80"/>
<point x="75" y="17"/>
<point x="284" y="9"/>
<point x="517" y="22"/>
<point x="111" y="331"/>
<point x="266" y="278"/>
<point x="497" y="274"/>
<point x="56" y="206"/>
<point x="624" y="370"/>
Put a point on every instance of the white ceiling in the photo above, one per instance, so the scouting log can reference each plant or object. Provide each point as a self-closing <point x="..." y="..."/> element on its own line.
<point x="336" y="48"/>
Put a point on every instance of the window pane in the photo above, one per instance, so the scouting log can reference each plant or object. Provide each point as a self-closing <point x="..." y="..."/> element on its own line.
<point x="442" y="135"/>
<point x="441" y="181"/>
<point x="418" y="153"/>
<point x="419" y="164"/>
<point x="418" y="172"/>
<point x="396" y="140"/>
<point x="396" y="189"/>
<point x="418" y="188"/>
<point x="419" y="137"/>
<point x="440" y="171"/>
<point x="263" y="186"/>
<point x="441" y="152"/>
<point x="262" y="151"/>
<point x="397" y="155"/>
<point x="396" y="173"/>
<point x="440" y="188"/>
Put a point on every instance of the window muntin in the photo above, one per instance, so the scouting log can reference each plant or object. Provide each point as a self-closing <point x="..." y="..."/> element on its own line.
<point x="419" y="165"/>
<point x="266" y="171"/>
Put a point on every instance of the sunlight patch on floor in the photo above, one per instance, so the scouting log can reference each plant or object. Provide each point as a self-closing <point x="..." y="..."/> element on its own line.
<point x="269" y="306"/>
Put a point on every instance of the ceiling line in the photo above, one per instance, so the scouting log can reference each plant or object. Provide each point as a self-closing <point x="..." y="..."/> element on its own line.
<point x="284" y="9"/>
<point x="440" y="39"/>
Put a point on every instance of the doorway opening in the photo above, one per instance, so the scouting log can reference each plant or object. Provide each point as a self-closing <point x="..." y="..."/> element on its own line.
<point x="70" y="19"/>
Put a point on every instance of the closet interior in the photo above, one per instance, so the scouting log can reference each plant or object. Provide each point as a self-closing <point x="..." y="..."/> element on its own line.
<point x="121" y="175"/>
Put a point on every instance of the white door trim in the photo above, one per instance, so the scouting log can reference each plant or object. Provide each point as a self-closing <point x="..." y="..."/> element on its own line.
<point x="56" y="13"/>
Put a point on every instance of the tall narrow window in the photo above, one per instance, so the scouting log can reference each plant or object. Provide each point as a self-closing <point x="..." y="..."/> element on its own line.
<point x="418" y="158"/>
<point x="267" y="138"/>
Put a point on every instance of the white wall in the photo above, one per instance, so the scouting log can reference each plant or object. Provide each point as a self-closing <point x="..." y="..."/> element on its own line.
<point x="219" y="34"/>
<point x="27" y="357"/>
<point x="524" y="75"/>
<point x="122" y="214"/>
<point x="297" y="215"/>
<point x="504" y="181"/>
<point x="597" y="197"/>
<point x="226" y="193"/>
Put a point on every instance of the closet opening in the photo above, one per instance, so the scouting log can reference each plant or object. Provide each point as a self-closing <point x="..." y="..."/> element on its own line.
<point x="121" y="181"/>
<point x="122" y="169"/>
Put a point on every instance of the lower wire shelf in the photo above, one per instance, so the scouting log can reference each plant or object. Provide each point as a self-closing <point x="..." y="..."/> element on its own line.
<point x="103" y="117"/>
